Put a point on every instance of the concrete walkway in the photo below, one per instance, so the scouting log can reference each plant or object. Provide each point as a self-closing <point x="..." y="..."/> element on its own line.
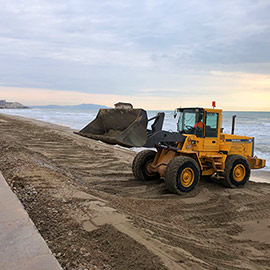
<point x="21" y="245"/>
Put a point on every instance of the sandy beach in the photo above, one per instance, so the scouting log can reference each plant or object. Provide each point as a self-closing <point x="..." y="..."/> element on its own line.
<point x="86" y="204"/>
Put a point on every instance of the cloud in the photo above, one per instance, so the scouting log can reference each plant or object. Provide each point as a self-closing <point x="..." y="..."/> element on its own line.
<point x="232" y="91"/>
<point x="126" y="48"/>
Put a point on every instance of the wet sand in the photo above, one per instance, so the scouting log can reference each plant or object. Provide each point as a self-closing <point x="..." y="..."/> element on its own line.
<point x="85" y="202"/>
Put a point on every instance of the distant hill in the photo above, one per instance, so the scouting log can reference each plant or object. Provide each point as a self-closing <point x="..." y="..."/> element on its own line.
<point x="79" y="107"/>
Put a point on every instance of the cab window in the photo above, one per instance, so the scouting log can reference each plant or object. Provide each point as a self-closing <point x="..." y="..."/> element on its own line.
<point x="211" y="125"/>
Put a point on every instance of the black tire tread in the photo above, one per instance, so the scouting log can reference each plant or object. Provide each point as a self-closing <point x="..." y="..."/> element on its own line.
<point x="138" y="162"/>
<point x="226" y="181"/>
<point x="172" y="170"/>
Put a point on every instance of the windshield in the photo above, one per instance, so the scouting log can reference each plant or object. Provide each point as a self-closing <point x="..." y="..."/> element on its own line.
<point x="186" y="121"/>
<point x="191" y="122"/>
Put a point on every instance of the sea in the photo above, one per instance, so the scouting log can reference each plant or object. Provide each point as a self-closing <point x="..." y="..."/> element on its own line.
<point x="254" y="124"/>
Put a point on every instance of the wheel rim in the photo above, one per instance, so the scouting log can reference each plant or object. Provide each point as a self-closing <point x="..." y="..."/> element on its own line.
<point x="148" y="168"/>
<point x="187" y="177"/>
<point x="239" y="172"/>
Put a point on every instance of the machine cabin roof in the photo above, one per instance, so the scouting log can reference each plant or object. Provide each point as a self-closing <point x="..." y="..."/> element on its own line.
<point x="198" y="109"/>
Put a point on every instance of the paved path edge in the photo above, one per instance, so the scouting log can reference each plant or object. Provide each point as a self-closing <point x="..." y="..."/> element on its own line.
<point x="21" y="245"/>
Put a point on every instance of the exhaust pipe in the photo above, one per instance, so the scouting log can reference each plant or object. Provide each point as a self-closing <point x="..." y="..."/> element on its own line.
<point x="233" y="123"/>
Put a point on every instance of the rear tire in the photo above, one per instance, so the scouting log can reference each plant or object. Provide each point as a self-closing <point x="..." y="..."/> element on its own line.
<point x="237" y="171"/>
<point x="182" y="175"/>
<point x="140" y="163"/>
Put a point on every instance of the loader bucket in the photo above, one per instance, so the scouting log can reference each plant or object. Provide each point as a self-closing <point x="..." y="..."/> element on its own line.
<point x="126" y="127"/>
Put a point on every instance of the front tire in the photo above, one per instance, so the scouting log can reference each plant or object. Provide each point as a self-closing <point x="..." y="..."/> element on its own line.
<point x="140" y="166"/>
<point x="182" y="175"/>
<point x="237" y="171"/>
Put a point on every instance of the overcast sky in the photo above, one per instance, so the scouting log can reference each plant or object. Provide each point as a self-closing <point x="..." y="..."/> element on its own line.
<point x="156" y="54"/>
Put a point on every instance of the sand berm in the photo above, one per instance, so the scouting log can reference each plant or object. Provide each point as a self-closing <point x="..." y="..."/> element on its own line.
<point x="93" y="214"/>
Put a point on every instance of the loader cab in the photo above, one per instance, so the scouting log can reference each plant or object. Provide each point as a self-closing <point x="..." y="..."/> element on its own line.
<point x="204" y="123"/>
<point x="187" y="123"/>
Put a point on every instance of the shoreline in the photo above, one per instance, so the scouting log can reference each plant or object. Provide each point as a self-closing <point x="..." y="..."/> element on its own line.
<point x="258" y="176"/>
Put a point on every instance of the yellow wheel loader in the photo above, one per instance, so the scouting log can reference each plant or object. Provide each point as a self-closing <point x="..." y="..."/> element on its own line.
<point x="199" y="148"/>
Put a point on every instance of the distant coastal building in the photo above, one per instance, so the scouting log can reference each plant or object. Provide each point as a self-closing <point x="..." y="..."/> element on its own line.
<point x="3" y="103"/>
<point x="123" y="105"/>
<point x="11" y="105"/>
